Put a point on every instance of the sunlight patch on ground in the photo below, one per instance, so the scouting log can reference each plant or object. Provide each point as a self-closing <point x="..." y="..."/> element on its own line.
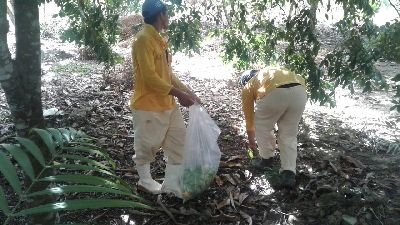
<point x="262" y="185"/>
<point x="207" y="66"/>
<point x="127" y="220"/>
<point x="369" y="114"/>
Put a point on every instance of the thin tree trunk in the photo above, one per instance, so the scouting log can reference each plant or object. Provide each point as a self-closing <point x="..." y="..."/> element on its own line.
<point x="9" y="81"/>
<point x="28" y="67"/>
<point x="28" y="58"/>
<point x="21" y="81"/>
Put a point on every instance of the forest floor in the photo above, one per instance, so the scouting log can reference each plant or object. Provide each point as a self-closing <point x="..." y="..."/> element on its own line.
<point x="348" y="170"/>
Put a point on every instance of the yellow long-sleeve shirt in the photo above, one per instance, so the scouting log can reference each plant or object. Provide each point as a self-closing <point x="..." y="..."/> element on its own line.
<point x="261" y="85"/>
<point x="153" y="74"/>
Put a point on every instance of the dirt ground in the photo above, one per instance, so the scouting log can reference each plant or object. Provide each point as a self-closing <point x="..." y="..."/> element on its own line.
<point x="348" y="171"/>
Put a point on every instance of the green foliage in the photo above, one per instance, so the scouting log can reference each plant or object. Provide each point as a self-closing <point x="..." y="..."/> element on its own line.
<point x="264" y="32"/>
<point x="93" y="24"/>
<point x="259" y="32"/>
<point x="79" y="172"/>
<point x="184" y="29"/>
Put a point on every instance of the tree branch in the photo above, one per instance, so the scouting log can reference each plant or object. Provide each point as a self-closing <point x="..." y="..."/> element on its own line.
<point x="395" y="8"/>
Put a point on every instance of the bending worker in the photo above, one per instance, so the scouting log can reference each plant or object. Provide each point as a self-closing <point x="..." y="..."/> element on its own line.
<point x="280" y="98"/>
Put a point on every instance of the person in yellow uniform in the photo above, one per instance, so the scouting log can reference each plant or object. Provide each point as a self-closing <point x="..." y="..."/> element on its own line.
<point x="157" y="119"/>
<point x="272" y="96"/>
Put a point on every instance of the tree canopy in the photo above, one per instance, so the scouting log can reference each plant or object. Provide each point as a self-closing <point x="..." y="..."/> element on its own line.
<point x="263" y="32"/>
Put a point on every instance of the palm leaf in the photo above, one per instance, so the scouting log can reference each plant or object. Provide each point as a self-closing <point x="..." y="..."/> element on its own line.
<point x="66" y="134"/>
<point x="92" y="146"/>
<point x="81" y="189"/>
<point x="31" y="147"/>
<point x="9" y="172"/>
<point x="71" y="205"/>
<point x="90" y="151"/>
<point x="3" y="202"/>
<point x="57" y="135"/>
<point x="86" y="179"/>
<point x="47" y="139"/>
<point x="85" y="160"/>
<point x="81" y="167"/>
<point x="22" y="159"/>
<point x="86" y="150"/>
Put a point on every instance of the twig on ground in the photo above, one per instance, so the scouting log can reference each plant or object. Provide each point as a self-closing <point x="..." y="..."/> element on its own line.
<point x="136" y="212"/>
<point x="166" y="210"/>
<point x="373" y="212"/>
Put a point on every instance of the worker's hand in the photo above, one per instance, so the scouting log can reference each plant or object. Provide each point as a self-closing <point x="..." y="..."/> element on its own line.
<point x="186" y="100"/>
<point x="252" y="140"/>
<point x="196" y="98"/>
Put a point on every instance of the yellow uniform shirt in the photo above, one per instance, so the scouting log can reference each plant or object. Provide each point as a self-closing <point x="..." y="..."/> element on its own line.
<point x="153" y="74"/>
<point x="261" y="85"/>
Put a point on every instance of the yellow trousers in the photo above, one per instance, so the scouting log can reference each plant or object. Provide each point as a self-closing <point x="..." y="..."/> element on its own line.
<point x="154" y="130"/>
<point x="284" y="107"/>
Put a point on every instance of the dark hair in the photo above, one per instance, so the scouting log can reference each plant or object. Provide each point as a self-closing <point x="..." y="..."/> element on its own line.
<point x="152" y="19"/>
<point x="246" y="76"/>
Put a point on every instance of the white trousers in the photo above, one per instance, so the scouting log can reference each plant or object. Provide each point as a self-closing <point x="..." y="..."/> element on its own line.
<point x="284" y="107"/>
<point x="154" y="130"/>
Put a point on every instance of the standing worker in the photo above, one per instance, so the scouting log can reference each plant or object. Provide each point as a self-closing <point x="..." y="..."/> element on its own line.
<point x="157" y="119"/>
<point x="280" y="96"/>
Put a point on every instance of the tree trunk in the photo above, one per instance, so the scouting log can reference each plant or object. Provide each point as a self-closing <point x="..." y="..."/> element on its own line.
<point x="28" y="59"/>
<point x="20" y="78"/>
<point x="21" y="82"/>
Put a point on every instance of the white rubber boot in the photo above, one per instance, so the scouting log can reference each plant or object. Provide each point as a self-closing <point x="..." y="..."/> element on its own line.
<point x="146" y="182"/>
<point x="172" y="180"/>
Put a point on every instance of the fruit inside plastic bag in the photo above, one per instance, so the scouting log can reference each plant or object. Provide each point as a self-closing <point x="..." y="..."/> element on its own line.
<point x="196" y="180"/>
<point x="202" y="154"/>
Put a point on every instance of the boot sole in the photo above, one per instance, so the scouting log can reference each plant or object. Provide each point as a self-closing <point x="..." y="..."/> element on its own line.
<point x="141" y="188"/>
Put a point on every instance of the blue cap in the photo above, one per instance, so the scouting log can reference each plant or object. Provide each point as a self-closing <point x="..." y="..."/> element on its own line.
<point x="246" y="76"/>
<point x="152" y="7"/>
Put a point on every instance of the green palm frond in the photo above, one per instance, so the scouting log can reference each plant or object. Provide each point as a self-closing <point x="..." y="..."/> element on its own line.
<point x="80" y="167"/>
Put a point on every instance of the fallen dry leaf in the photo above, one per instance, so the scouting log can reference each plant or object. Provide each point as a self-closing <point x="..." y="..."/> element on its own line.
<point x="247" y="217"/>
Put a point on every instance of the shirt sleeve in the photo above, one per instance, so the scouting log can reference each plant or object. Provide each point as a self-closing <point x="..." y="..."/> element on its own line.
<point x="248" y="98"/>
<point x="178" y="84"/>
<point x="145" y="61"/>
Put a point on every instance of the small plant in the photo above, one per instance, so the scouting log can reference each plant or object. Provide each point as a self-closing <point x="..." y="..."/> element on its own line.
<point x="79" y="166"/>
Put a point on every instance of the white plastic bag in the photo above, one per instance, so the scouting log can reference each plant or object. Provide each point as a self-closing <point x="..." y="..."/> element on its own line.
<point x="202" y="154"/>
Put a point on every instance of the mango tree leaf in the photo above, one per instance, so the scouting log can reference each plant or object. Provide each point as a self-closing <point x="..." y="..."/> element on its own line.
<point x="86" y="179"/>
<point x="47" y="139"/>
<point x="82" y="204"/>
<point x="9" y="172"/>
<point x="23" y="160"/>
<point x="31" y="147"/>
